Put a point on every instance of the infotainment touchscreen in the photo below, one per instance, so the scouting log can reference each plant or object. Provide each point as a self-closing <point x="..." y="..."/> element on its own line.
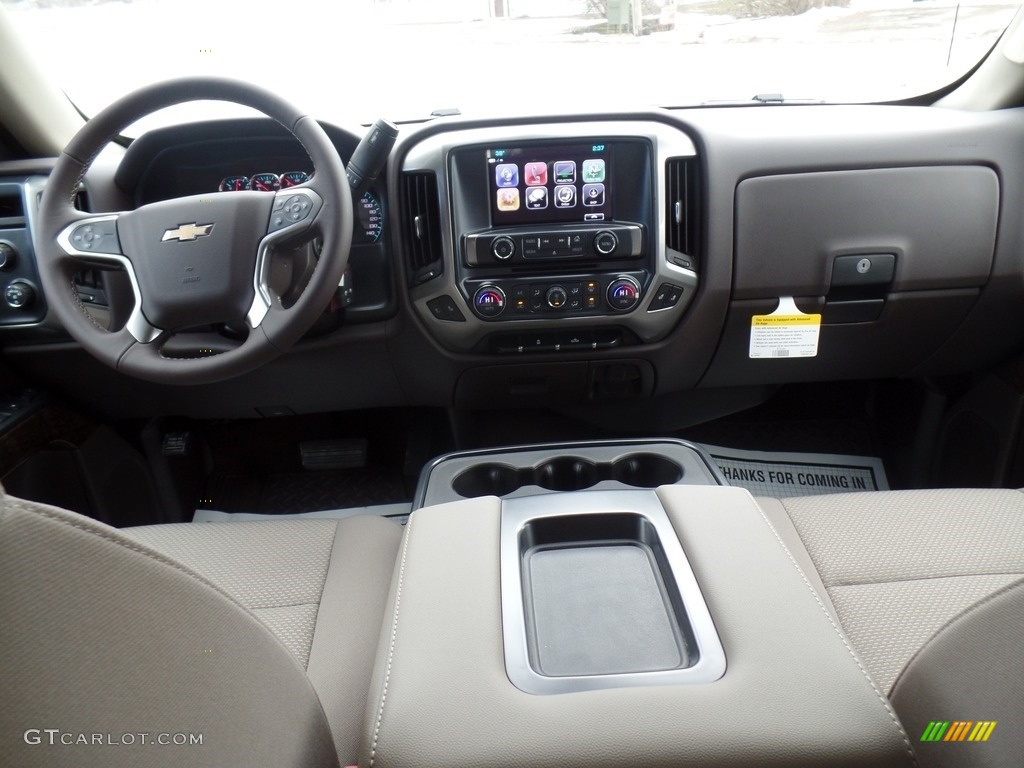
<point x="541" y="184"/>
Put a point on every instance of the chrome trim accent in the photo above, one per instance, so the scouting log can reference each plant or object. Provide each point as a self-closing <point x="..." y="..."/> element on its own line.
<point x="138" y="326"/>
<point x="516" y="513"/>
<point x="262" y="300"/>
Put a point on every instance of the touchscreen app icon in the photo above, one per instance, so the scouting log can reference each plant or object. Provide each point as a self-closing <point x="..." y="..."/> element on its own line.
<point x="565" y="172"/>
<point x="593" y="194"/>
<point x="537" y="197"/>
<point x="506" y="175"/>
<point x="593" y="171"/>
<point x="508" y="199"/>
<point x="565" y="196"/>
<point x="536" y="174"/>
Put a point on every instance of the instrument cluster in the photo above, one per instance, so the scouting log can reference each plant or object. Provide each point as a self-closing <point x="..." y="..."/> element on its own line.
<point x="368" y="210"/>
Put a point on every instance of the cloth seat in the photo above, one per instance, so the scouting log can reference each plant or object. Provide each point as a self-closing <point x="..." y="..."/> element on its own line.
<point x="259" y="638"/>
<point x="929" y="587"/>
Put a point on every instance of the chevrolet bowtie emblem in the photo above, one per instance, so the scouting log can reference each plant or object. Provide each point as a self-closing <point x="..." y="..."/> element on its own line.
<point x="187" y="232"/>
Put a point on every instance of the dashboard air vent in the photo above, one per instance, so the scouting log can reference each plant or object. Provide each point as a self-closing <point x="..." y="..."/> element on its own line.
<point x="12" y="211"/>
<point x="421" y="225"/>
<point x="682" y="215"/>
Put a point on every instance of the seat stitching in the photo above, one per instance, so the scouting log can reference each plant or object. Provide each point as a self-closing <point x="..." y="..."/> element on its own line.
<point x="839" y="634"/>
<point x="974" y="606"/>
<point x="323" y="586"/>
<point x="922" y="578"/>
<point x="391" y="642"/>
<point x="284" y="605"/>
<point x="133" y="547"/>
<point x="12" y="502"/>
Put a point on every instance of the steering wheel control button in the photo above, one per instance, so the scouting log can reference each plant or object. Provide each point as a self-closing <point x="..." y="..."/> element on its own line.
<point x="623" y="293"/>
<point x="605" y="243"/>
<point x="489" y="301"/>
<point x="291" y="208"/>
<point x="666" y="297"/>
<point x="96" y="237"/>
<point x="445" y="309"/>
<point x="557" y="297"/>
<point x="503" y="248"/>
<point x="20" y="294"/>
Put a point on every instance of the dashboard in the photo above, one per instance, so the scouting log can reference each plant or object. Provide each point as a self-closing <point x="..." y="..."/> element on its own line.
<point x="572" y="261"/>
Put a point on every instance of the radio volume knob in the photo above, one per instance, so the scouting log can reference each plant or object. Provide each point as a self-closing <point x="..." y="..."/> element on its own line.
<point x="623" y="293"/>
<point x="605" y="242"/>
<point x="503" y="248"/>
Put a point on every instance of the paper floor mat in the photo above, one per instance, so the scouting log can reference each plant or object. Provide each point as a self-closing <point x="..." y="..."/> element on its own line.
<point x="769" y="473"/>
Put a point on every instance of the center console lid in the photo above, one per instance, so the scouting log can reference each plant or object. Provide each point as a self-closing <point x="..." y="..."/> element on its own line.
<point x="792" y="692"/>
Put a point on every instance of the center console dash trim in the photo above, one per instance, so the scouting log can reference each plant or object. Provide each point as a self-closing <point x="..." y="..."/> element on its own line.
<point x="650" y="318"/>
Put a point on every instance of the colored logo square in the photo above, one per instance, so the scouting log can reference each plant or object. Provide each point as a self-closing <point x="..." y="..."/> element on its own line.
<point x="506" y="175"/>
<point x="508" y="199"/>
<point x="565" y="172"/>
<point x="536" y="198"/>
<point x="593" y="194"/>
<point x="565" y="196"/>
<point x="593" y="171"/>
<point x="536" y="174"/>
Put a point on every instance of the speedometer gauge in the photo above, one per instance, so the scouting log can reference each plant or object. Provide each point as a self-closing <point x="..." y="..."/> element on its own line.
<point x="234" y="184"/>
<point x="265" y="182"/>
<point x="371" y="220"/>
<point x="293" y="178"/>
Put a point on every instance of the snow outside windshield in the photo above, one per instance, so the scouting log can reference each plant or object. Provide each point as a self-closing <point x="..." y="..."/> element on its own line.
<point x="355" y="60"/>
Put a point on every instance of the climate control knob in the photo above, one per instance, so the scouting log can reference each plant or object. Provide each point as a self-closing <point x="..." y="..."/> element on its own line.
<point x="503" y="248"/>
<point x="605" y="242"/>
<point x="556" y="297"/>
<point x="8" y="254"/>
<point x="19" y="294"/>
<point x="489" y="301"/>
<point x="623" y="293"/>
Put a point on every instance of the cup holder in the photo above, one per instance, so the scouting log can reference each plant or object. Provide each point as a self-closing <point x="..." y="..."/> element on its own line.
<point x="646" y="470"/>
<point x="487" y="480"/>
<point x="567" y="473"/>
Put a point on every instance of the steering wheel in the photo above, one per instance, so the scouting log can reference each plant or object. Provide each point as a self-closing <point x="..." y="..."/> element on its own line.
<point x="195" y="260"/>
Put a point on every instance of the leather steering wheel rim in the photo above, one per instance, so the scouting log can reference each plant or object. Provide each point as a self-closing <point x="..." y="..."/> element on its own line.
<point x="187" y="257"/>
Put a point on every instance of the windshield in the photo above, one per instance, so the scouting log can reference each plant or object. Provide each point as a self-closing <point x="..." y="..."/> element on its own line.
<point x="355" y="60"/>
